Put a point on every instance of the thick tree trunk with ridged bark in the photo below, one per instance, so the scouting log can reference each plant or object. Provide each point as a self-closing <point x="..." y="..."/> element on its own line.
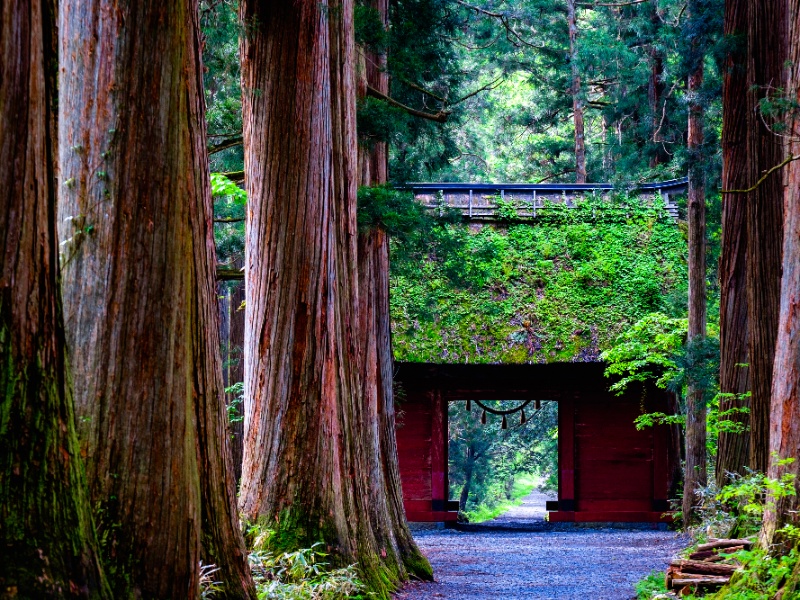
<point x="785" y="407"/>
<point x="767" y="38"/>
<point x="376" y="358"/>
<point x="137" y="245"/>
<point x="48" y="546"/>
<point x="696" y="471"/>
<point x="306" y="471"/>
<point x="733" y="448"/>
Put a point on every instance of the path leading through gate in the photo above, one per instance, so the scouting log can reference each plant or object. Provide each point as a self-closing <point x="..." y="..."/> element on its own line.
<point x="520" y="556"/>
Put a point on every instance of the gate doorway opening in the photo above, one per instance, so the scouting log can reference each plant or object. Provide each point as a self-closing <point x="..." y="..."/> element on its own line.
<point x="608" y="471"/>
<point x="501" y="453"/>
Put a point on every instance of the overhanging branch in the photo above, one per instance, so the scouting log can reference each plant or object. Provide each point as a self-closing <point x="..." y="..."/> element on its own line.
<point x="440" y="117"/>
<point x="764" y="176"/>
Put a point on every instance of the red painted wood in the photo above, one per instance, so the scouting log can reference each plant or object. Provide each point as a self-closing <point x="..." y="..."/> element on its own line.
<point x="566" y="449"/>
<point x="439" y="444"/>
<point x="660" y="462"/>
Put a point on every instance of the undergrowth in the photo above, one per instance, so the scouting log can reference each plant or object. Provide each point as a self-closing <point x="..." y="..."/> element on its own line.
<point x="737" y="511"/>
<point x="523" y="486"/>
<point x="300" y="575"/>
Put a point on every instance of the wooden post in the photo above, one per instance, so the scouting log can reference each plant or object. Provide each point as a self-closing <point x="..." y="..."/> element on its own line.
<point x="534" y="203"/>
<point x="470" y="204"/>
<point x="566" y="454"/>
<point x="438" y="451"/>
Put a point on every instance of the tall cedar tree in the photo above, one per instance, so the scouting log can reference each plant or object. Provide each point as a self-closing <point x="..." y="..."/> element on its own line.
<point x="734" y="381"/>
<point x="306" y="471"/>
<point x="48" y="548"/>
<point x="376" y="360"/>
<point x="135" y="224"/>
<point x="767" y="39"/>
<point x="785" y="408"/>
<point x="695" y="475"/>
<point x="577" y="94"/>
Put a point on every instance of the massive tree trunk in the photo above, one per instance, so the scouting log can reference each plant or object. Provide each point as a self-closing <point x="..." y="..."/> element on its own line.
<point x="306" y="469"/>
<point x="695" y="473"/>
<point x="49" y="548"/>
<point x="468" y="470"/>
<point x="577" y="94"/>
<point x="767" y="33"/>
<point x="785" y="408"/>
<point x="135" y="223"/>
<point x="733" y="448"/>
<point x="376" y="364"/>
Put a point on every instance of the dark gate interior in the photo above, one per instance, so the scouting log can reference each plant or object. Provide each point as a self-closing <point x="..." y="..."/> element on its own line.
<point x="607" y="470"/>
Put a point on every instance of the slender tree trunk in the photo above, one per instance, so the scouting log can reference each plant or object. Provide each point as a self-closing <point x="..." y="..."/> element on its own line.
<point x="468" y="470"/>
<point x="376" y="359"/>
<point x="785" y="408"/>
<point x="577" y="95"/>
<point x="49" y="548"/>
<point x="733" y="448"/>
<point x="236" y="374"/>
<point x="306" y="470"/>
<point x="767" y="35"/>
<point x="695" y="473"/>
<point x="135" y="223"/>
<point x="656" y="89"/>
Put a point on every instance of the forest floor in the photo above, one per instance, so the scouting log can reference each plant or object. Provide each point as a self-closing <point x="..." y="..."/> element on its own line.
<point x="520" y="555"/>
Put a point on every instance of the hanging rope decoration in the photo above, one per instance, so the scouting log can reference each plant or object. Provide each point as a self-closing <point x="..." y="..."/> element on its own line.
<point x="504" y="413"/>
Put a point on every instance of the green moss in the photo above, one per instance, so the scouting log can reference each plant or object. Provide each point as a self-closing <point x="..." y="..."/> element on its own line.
<point x="551" y="292"/>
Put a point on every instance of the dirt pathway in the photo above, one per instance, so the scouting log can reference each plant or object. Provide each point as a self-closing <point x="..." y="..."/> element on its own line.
<point x="519" y="555"/>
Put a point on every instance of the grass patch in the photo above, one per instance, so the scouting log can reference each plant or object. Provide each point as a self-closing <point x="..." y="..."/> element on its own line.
<point x="524" y="484"/>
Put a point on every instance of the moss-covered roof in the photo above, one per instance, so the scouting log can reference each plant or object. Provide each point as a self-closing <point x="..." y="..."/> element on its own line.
<point x="533" y="292"/>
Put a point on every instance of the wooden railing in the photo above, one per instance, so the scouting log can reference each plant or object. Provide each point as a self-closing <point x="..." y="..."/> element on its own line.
<point x="479" y="201"/>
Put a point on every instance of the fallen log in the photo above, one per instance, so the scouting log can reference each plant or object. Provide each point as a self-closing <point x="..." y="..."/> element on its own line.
<point x="706" y="580"/>
<point x="702" y="567"/>
<point x="712" y="544"/>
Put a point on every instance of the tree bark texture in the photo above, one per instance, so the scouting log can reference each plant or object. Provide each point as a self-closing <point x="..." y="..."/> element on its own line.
<point x="767" y="33"/>
<point x="48" y="546"/>
<point x="733" y="448"/>
<point x="785" y="407"/>
<point x="376" y="361"/>
<point x="577" y="94"/>
<point x="306" y="468"/>
<point x="135" y="221"/>
<point x="695" y="471"/>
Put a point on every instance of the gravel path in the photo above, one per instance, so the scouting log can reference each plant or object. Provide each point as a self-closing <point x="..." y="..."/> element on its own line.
<point x="519" y="555"/>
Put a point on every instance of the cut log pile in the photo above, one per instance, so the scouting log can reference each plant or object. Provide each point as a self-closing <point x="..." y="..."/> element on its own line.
<point x="706" y="568"/>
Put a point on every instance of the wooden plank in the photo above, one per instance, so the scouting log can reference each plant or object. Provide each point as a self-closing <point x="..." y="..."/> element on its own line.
<point x="439" y="447"/>
<point x="566" y="449"/>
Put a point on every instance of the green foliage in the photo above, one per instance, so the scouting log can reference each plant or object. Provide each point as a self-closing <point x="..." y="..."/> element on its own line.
<point x="766" y="575"/>
<point x="229" y="204"/>
<point x="300" y="575"/>
<point x="650" y="586"/>
<point x="500" y="466"/>
<point x="557" y="291"/>
<point x="396" y="212"/>
<point x="234" y="406"/>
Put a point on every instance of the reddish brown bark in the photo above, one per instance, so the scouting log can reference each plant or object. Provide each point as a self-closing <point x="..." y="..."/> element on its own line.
<point x="785" y="407"/>
<point x="376" y="359"/>
<point x="733" y="448"/>
<point x="48" y="546"/>
<point x="767" y="34"/>
<point x="656" y="89"/>
<point x="577" y="95"/>
<point x="306" y="468"/>
<point x="135" y="223"/>
<point x="695" y="471"/>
